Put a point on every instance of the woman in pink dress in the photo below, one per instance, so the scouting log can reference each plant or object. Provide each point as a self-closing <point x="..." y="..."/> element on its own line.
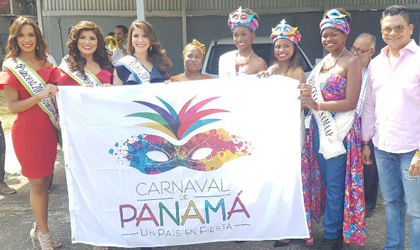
<point x="26" y="78"/>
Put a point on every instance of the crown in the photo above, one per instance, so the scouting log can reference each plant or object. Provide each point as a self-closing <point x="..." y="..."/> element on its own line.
<point x="285" y="31"/>
<point x="240" y="18"/>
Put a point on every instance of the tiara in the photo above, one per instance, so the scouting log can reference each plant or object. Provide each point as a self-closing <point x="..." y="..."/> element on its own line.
<point x="285" y="31"/>
<point x="240" y="18"/>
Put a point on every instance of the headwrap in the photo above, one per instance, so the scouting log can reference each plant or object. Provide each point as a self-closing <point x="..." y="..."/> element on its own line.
<point x="240" y="18"/>
<point x="285" y="31"/>
<point x="334" y="19"/>
<point x="196" y="44"/>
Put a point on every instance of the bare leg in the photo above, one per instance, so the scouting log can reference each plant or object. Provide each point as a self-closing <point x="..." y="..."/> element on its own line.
<point x="39" y="202"/>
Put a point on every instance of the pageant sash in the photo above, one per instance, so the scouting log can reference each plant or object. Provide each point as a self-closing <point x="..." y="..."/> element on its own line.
<point x="227" y="64"/>
<point x="332" y="130"/>
<point x="34" y="84"/>
<point x="141" y="74"/>
<point x="78" y="76"/>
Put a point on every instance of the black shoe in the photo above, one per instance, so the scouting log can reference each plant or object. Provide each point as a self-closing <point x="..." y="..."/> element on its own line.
<point x="369" y="213"/>
<point x="280" y="243"/>
<point x="335" y="244"/>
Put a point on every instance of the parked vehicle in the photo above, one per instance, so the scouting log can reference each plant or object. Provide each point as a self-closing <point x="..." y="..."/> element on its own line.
<point x="261" y="46"/>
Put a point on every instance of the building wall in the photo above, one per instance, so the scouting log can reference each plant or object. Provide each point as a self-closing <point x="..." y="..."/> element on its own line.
<point x="56" y="30"/>
<point x="207" y="28"/>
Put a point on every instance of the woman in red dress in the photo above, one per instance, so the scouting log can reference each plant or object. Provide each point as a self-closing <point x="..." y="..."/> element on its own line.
<point x="87" y="63"/>
<point x="26" y="79"/>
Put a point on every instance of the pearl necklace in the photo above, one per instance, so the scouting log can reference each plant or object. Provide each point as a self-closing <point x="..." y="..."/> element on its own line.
<point x="244" y="61"/>
<point x="335" y="60"/>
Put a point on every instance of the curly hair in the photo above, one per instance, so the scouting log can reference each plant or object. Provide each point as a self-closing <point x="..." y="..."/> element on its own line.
<point x="157" y="55"/>
<point x="75" y="60"/>
<point x="13" y="49"/>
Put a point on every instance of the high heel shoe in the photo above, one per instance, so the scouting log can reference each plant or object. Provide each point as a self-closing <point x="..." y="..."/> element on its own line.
<point x="46" y="242"/>
<point x="34" y="233"/>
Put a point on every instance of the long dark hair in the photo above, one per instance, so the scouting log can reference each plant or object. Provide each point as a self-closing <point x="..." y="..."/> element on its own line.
<point x="294" y="63"/>
<point x="75" y="60"/>
<point x="157" y="55"/>
<point x="13" y="49"/>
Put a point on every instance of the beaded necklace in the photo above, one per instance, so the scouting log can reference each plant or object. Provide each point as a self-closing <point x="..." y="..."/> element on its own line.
<point x="335" y="60"/>
<point x="244" y="61"/>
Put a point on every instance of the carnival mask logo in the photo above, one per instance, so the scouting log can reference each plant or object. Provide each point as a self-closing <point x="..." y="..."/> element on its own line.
<point x="206" y="151"/>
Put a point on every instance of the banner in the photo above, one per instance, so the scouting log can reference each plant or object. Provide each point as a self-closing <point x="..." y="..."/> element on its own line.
<point x="183" y="163"/>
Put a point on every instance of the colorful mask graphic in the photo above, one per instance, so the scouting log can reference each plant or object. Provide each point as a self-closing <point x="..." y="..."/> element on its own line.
<point x="206" y="151"/>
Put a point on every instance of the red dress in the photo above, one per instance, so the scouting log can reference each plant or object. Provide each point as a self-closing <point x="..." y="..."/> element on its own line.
<point x="33" y="134"/>
<point x="104" y="76"/>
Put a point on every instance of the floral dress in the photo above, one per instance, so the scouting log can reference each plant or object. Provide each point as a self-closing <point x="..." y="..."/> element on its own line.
<point x="354" y="225"/>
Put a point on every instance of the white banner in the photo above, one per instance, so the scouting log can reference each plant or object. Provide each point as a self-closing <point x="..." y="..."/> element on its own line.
<point x="184" y="163"/>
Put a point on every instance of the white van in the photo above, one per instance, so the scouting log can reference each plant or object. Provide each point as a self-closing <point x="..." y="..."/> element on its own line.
<point x="261" y="47"/>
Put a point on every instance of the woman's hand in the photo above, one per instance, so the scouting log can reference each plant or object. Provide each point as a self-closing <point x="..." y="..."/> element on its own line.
<point x="106" y="85"/>
<point x="167" y="82"/>
<point x="50" y="90"/>
<point x="264" y="74"/>
<point x="305" y="96"/>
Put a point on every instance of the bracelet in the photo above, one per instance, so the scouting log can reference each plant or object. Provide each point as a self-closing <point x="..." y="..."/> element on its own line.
<point x="317" y="106"/>
<point x="418" y="153"/>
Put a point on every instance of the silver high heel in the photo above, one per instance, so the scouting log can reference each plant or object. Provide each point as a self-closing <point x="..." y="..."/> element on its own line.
<point x="34" y="234"/>
<point x="46" y="242"/>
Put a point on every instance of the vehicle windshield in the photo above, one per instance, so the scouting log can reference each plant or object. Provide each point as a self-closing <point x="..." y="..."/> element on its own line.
<point x="262" y="50"/>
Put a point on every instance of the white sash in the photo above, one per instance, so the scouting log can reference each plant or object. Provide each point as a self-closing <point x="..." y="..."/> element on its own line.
<point x="34" y="84"/>
<point x="332" y="130"/>
<point x="227" y="64"/>
<point x="78" y="76"/>
<point x="141" y="74"/>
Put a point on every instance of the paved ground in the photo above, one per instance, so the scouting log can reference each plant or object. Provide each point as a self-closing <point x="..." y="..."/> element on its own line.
<point x="16" y="218"/>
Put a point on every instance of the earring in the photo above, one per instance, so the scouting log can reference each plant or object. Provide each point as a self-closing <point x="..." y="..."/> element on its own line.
<point x="150" y="48"/>
<point x="37" y="47"/>
<point x="344" y="42"/>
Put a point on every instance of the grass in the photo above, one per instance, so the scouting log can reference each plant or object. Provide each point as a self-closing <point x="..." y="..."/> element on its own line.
<point x="6" y="117"/>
